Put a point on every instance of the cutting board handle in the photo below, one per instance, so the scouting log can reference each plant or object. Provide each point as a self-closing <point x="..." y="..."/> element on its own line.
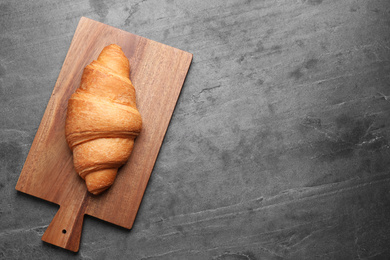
<point x="65" y="228"/>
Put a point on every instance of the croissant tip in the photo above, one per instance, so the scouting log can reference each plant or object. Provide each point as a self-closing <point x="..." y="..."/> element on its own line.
<point x="97" y="192"/>
<point x="113" y="45"/>
<point x="101" y="180"/>
<point x="97" y="189"/>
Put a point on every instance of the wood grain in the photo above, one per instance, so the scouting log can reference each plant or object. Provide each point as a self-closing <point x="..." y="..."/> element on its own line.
<point x="158" y="72"/>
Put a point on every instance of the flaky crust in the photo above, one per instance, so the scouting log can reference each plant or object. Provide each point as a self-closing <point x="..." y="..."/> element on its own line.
<point x="102" y="119"/>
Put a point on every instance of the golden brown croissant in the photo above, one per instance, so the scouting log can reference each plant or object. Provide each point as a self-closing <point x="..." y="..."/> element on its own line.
<point x="102" y="119"/>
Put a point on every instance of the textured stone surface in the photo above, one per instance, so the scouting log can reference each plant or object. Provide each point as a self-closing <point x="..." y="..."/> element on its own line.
<point x="278" y="147"/>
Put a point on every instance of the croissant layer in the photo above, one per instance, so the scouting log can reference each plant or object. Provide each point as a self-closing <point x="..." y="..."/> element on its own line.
<point x="102" y="119"/>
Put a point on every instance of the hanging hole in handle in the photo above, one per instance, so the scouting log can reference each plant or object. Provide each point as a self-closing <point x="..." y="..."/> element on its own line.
<point x="64" y="231"/>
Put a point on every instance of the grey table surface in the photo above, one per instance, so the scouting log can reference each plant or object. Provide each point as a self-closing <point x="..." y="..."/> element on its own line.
<point x="278" y="147"/>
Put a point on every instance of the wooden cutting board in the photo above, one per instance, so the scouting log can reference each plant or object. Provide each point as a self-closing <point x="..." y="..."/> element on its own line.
<point x="158" y="72"/>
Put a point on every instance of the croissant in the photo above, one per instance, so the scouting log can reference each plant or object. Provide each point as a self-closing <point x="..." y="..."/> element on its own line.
<point x="102" y="119"/>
